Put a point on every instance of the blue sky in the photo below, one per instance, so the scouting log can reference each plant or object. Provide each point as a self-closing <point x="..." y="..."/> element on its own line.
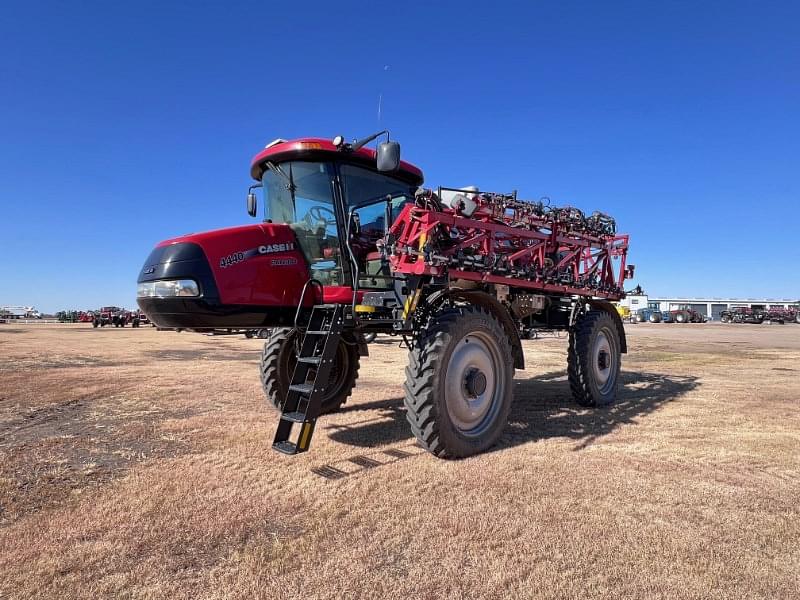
<point x="122" y="124"/>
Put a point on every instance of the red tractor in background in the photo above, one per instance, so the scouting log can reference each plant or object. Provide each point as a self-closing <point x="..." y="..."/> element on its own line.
<point x="686" y="314"/>
<point x="116" y="316"/>
<point x="351" y="245"/>
<point x="105" y="316"/>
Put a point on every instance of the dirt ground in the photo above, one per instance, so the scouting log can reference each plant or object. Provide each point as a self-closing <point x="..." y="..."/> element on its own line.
<point x="137" y="464"/>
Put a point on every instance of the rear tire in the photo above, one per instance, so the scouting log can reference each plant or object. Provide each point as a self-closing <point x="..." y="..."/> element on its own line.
<point x="277" y="365"/>
<point x="593" y="359"/>
<point x="459" y="382"/>
<point x="680" y="318"/>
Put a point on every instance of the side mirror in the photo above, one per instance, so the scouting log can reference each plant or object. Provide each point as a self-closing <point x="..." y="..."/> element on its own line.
<point x="388" y="156"/>
<point x="252" y="204"/>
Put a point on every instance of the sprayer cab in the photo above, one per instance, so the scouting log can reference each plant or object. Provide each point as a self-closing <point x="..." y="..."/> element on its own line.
<point x="323" y="202"/>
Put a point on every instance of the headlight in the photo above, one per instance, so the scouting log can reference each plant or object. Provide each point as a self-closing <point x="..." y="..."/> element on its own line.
<point x="163" y="288"/>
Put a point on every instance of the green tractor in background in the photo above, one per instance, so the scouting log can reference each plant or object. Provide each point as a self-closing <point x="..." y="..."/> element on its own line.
<point x="68" y="316"/>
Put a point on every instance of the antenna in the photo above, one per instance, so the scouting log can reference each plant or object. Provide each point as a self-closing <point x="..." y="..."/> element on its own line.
<point x="380" y="97"/>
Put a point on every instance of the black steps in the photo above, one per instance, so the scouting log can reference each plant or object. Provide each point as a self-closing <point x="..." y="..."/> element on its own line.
<point x="285" y="447"/>
<point x="303" y="389"/>
<point x="314" y="361"/>
<point x="295" y="417"/>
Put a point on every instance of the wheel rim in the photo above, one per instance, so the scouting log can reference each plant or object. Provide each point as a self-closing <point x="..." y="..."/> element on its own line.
<point x="603" y="362"/>
<point x="474" y="384"/>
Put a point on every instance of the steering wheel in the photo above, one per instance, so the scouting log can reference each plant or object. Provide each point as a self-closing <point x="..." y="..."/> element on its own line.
<point x="319" y="213"/>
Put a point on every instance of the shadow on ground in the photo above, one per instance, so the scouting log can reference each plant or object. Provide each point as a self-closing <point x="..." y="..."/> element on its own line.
<point x="543" y="408"/>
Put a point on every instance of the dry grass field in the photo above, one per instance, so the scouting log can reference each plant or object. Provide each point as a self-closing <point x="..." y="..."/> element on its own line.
<point x="137" y="464"/>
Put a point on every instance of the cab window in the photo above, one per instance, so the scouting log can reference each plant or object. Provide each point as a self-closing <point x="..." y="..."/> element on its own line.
<point x="372" y="199"/>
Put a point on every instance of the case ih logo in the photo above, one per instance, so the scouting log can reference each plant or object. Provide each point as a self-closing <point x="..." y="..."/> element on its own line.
<point x="237" y="257"/>
<point x="269" y="249"/>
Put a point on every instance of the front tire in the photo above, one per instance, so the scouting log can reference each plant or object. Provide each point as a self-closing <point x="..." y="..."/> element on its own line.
<point x="279" y="358"/>
<point x="593" y="360"/>
<point x="459" y="382"/>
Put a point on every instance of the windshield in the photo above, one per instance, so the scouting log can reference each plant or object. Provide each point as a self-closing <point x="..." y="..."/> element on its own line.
<point x="300" y="195"/>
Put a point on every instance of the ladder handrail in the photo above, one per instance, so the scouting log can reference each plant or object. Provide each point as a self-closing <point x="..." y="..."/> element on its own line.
<point x="311" y="281"/>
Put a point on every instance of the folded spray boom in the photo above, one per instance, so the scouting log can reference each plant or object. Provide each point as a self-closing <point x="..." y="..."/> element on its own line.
<point x="497" y="238"/>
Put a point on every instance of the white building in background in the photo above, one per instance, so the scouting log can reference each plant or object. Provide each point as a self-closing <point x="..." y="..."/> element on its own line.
<point x="709" y="307"/>
<point x="20" y="312"/>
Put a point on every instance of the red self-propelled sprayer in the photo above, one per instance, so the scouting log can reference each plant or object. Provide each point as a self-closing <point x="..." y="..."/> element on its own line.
<point x="351" y="245"/>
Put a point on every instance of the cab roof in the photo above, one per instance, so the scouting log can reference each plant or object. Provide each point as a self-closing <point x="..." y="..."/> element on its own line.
<point x="323" y="149"/>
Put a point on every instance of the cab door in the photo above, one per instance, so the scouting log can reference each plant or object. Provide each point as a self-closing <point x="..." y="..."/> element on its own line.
<point x="372" y="200"/>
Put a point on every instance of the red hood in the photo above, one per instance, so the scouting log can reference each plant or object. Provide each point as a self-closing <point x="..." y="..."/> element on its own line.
<point x="225" y="233"/>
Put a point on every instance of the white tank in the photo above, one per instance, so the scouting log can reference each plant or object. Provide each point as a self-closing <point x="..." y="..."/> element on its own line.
<point x="463" y="202"/>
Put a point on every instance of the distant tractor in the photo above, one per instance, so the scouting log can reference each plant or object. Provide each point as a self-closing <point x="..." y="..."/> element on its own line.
<point x="68" y="316"/>
<point x="109" y="315"/>
<point x="139" y="318"/>
<point x="648" y="315"/>
<point x="686" y="314"/>
<point x="120" y="318"/>
<point x="624" y="312"/>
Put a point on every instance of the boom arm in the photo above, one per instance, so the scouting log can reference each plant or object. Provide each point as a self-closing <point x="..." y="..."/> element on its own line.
<point x="511" y="242"/>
